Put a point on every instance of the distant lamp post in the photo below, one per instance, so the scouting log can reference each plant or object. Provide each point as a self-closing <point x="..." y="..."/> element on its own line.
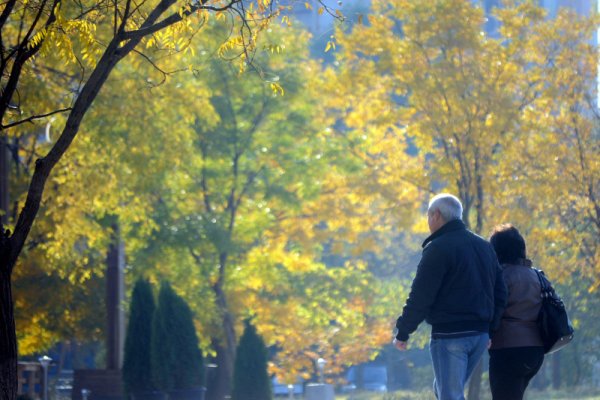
<point x="45" y="362"/>
<point x="321" y="368"/>
<point x="206" y="376"/>
<point x="206" y="371"/>
<point x="290" y="391"/>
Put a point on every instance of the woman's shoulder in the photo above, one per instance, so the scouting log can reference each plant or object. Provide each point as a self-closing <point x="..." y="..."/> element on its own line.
<point x="519" y="271"/>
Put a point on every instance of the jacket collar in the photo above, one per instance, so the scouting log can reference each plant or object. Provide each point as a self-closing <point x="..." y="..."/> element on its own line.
<point x="450" y="226"/>
<point x="523" y="262"/>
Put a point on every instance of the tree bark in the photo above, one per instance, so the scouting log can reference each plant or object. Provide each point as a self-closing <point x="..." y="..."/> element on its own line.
<point x="8" y="338"/>
<point x="226" y="346"/>
<point x="220" y="387"/>
<point x="475" y="380"/>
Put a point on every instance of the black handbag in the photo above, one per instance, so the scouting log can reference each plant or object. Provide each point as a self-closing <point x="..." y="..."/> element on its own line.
<point x="555" y="328"/>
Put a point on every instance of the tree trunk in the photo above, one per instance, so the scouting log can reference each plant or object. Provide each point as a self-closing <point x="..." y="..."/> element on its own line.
<point x="225" y="347"/>
<point x="8" y="338"/>
<point x="475" y="382"/>
<point x="220" y="387"/>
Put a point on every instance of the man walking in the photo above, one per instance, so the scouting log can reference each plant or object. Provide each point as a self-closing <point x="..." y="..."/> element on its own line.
<point x="459" y="291"/>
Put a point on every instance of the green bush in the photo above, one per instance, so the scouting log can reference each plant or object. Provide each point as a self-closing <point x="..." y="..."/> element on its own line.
<point x="137" y="376"/>
<point x="250" y="376"/>
<point x="175" y="354"/>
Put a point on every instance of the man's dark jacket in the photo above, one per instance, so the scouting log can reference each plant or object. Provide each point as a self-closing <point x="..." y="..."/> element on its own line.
<point x="458" y="289"/>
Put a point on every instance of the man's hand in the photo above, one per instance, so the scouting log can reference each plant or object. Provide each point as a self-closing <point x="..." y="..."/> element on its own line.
<point x="399" y="344"/>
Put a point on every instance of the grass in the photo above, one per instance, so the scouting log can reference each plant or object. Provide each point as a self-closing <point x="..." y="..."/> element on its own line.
<point x="574" y="394"/>
<point x="563" y="395"/>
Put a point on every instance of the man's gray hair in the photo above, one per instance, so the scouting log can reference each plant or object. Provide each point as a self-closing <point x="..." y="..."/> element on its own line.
<point x="448" y="205"/>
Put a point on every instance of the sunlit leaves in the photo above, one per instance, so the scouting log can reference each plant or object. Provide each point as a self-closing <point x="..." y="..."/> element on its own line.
<point x="277" y="89"/>
<point x="330" y="45"/>
<point x="429" y="101"/>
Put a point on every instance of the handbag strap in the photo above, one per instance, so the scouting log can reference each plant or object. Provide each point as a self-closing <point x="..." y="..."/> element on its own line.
<point x="544" y="287"/>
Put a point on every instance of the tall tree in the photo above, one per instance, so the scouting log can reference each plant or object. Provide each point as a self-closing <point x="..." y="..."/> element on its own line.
<point x="142" y="175"/>
<point x="252" y="164"/>
<point x="562" y="188"/>
<point x="45" y="27"/>
<point x="439" y="104"/>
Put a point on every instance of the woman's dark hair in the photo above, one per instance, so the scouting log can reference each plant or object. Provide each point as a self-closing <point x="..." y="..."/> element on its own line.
<point x="508" y="244"/>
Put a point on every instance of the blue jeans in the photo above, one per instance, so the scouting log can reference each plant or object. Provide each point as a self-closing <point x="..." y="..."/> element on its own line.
<point x="453" y="362"/>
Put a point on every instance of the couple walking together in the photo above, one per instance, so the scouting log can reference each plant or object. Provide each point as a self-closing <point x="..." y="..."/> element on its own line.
<point x="476" y="295"/>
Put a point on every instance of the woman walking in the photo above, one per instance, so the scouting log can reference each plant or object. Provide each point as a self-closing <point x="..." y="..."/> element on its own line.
<point x="517" y="352"/>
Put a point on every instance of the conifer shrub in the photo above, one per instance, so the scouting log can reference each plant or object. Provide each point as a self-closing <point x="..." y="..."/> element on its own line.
<point x="250" y="375"/>
<point x="176" y="358"/>
<point x="137" y="371"/>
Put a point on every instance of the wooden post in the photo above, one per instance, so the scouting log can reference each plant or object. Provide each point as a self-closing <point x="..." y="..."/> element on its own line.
<point x="115" y="296"/>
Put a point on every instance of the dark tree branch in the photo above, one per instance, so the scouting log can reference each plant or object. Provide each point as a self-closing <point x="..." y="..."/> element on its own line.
<point x="148" y="29"/>
<point x="121" y="29"/>
<point x="8" y="8"/>
<point x="204" y="181"/>
<point x="195" y="256"/>
<point x="22" y="56"/>
<point x="44" y="166"/>
<point x="34" y="117"/>
<point x="155" y="66"/>
<point x="27" y="37"/>
<point x="249" y="182"/>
